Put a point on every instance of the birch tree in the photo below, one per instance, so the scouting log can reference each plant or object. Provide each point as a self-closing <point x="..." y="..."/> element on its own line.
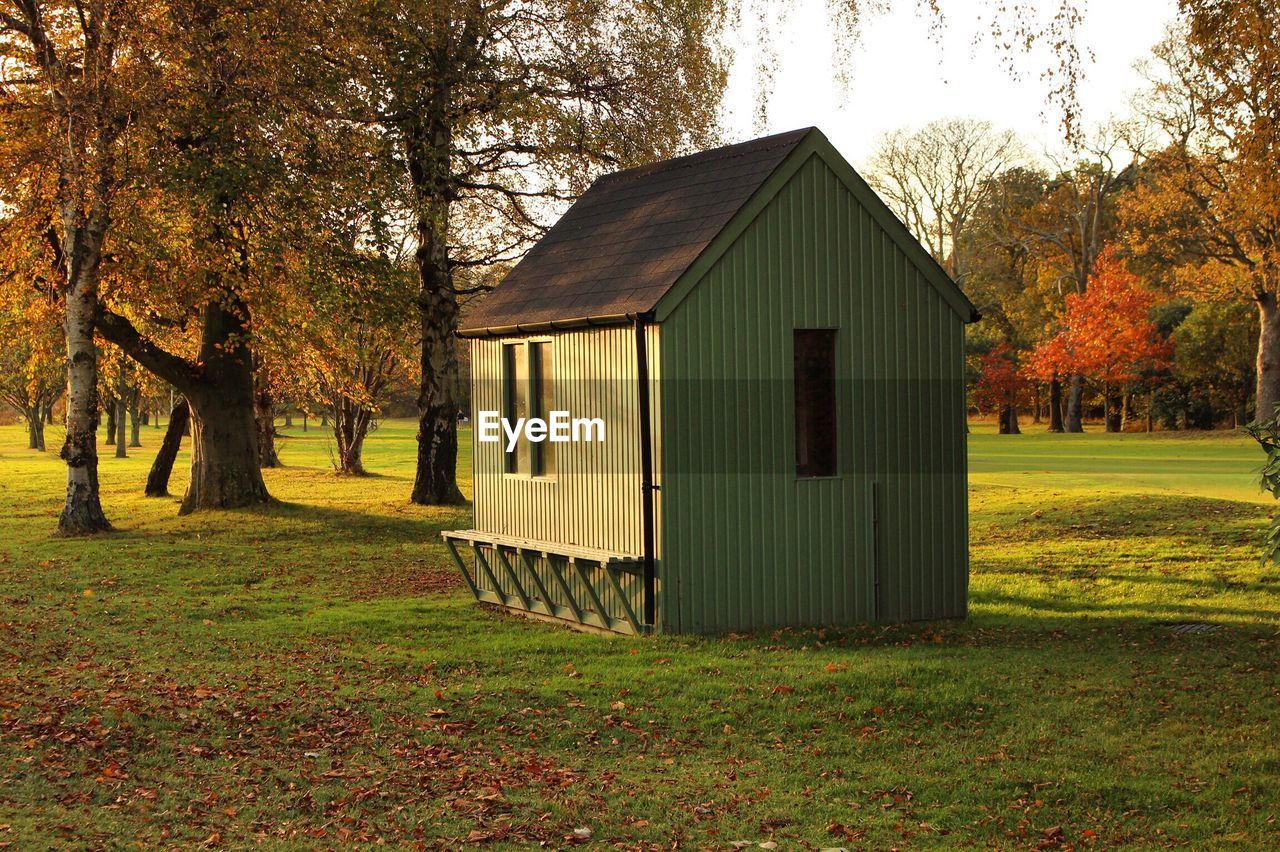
<point x="70" y="79"/>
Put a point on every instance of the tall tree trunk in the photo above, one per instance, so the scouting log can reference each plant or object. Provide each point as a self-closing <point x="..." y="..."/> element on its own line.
<point x="436" y="481"/>
<point x="1035" y="402"/>
<point x="112" y="410"/>
<point x="82" y="513"/>
<point x="428" y="153"/>
<point x="122" y="406"/>
<point x="48" y="413"/>
<point x="225" y="470"/>
<point x="122" y="419"/>
<point x="35" y="428"/>
<point x="1112" y="408"/>
<point x="135" y="423"/>
<point x="1073" y="421"/>
<point x="224" y="455"/>
<point x="1009" y="420"/>
<point x="1268" y="356"/>
<point x="162" y="467"/>
<point x="264" y="412"/>
<point x="350" y="428"/>
<point x="1055" y="405"/>
<point x="355" y="452"/>
<point x="288" y="418"/>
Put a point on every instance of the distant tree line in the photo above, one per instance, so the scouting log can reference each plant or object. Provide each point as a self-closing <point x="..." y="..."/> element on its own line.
<point x="1137" y="282"/>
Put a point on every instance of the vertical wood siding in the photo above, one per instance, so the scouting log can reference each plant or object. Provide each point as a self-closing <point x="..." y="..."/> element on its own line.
<point x="593" y="500"/>
<point x="747" y="544"/>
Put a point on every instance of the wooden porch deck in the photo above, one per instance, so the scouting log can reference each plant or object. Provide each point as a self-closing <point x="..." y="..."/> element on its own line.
<point x="581" y="586"/>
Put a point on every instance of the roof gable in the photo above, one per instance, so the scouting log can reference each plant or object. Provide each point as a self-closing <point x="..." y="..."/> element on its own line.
<point x="631" y="236"/>
<point x="817" y="145"/>
<point x="639" y="240"/>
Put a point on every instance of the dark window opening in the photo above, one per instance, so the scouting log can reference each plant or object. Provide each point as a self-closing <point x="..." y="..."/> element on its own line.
<point x="815" y="386"/>
<point x="543" y="454"/>
<point x="526" y="393"/>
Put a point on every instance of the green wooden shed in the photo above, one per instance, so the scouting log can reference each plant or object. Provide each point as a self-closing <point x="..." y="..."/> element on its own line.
<point x="777" y="368"/>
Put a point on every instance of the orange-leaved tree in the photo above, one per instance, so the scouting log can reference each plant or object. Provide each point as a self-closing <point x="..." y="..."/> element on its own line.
<point x="1002" y="386"/>
<point x="1107" y="335"/>
<point x="237" y="167"/>
<point x="1209" y="200"/>
<point x="32" y="364"/>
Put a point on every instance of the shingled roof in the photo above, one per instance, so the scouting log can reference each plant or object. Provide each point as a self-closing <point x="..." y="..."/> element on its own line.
<point x="630" y="237"/>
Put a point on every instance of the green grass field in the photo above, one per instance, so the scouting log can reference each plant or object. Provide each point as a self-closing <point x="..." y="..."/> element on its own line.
<point x="314" y="674"/>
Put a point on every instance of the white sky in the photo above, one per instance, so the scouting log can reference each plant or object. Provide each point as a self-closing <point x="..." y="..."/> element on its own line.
<point x="904" y="75"/>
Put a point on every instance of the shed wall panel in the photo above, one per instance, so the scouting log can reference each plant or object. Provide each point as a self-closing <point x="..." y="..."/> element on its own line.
<point x="594" y="498"/>
<point x="747" y="544"/>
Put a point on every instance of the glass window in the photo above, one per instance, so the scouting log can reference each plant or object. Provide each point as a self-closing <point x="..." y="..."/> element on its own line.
<point x="543" y="454"/>
<point x="815" y="387"/>
<point x="515" y="389"/>
<point x="527" y="393"/>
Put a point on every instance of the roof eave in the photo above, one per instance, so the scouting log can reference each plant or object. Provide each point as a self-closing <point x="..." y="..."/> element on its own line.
<point x="523" y="328"/>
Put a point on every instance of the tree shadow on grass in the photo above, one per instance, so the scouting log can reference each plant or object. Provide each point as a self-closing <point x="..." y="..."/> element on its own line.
<point x="1091" y="573"/>
<point x="1151" y="544"/>
<point x="1041" y="627"/>
<point x="281" y="521"/>
<point x="1119" y="516"/>
<point x="1071" y="597"/>
<point x="409" y="524"/>
<point x="1055" y="613"/>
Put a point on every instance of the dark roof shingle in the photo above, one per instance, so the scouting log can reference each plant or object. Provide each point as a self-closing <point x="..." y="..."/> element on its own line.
<point x="630" y="237"/>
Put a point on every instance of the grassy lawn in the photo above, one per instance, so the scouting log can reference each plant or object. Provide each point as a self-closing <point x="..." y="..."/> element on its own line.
<point x="314" y="674"/>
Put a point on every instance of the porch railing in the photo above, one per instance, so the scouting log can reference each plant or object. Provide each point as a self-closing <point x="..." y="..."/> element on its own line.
<point x="592" y="588"/>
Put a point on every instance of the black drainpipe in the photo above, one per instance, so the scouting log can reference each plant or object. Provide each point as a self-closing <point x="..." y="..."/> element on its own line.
<point x="647" y="485"/>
